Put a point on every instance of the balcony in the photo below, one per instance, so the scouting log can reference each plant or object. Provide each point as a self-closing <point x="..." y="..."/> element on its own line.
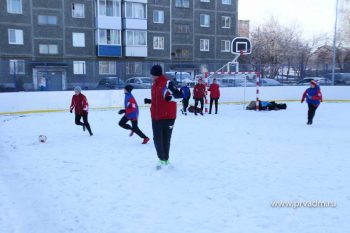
<point x="109" y="50"/>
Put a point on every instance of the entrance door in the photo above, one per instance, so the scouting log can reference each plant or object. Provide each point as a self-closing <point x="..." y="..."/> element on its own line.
<point x="53" y="80"/>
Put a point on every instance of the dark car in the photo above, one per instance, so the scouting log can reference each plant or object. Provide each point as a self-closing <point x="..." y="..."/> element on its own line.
<point x="110" y="83"/>
<point x="320" y="81"/>
<point x="339" y="78"/>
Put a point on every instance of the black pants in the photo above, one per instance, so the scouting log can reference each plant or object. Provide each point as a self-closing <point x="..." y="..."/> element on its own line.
<point x="311" y="112"/>
<point x="162" y="130"/>
<point x="185" y="104"/>
<point x="85" y="120"/>
<point x="211" y="105"/>
<point x="134" y="127"/>
<point x="196" y="104"/>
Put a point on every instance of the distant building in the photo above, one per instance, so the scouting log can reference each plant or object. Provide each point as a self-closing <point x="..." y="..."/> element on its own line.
<point x="244" y="28"/>
<point x="63" y="43"/>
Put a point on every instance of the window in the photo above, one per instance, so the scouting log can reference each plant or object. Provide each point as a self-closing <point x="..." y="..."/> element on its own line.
<point x="204" y="20"/>
<point x="107" y="67"/>
<point x="47" y="19"/>
<point x="78" y="39"/>
<point x="158" y="42"/>
<point x="109" y="8"/>
<point x="158" y="16"/>
<point x="135" y="10"/>
<point x="226" y="2"/>
<point x="78" y="10"/>
<point x="205" y="0"/>
<point x="48" y="49"/>
<point x="182" y="3"/>
<point x="14" y="6"/>
<point x="226" y="22"/>
<point x="79" y="67"/>
<point x="204" y="45"/>
<point x="15" y="36"/>
<point x="109" y="36"/>
<point x="182" y="28"/>
<point x="182" y="53"/>
<point x="136" y="38"/>
<point x="134" y="68"/>
<point x="17" y="67"/>
<point x="225" y="45"/>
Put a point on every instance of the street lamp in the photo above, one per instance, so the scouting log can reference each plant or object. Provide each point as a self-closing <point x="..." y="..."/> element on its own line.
<point x="335" y="41"/>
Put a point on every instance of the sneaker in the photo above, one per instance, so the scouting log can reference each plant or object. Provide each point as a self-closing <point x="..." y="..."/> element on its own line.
<point x="185" y="113"/>
<point x="132" y="133"/>
<point x="145" y="140"/>
<point x="160" y="164"/>
<point x="201" y="113"/>
<point x="83" y="127"/>
<point x="91" y="134"/>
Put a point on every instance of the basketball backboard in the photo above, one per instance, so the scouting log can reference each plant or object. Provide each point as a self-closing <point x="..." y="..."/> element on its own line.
<point x="241" y="45"/>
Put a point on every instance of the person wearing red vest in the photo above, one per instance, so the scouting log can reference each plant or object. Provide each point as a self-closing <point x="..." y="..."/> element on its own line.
<point x="81" y="106"/>
<point x="163" y="112"/>
<point x="214" y="95"/>
<point x="199" y="95"/>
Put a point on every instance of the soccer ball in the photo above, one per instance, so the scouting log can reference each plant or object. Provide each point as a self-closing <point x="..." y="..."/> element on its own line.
<point x="42" y="138"/>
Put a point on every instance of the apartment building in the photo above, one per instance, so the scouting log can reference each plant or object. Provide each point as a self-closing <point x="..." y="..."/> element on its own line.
<point x="60" y="43"/>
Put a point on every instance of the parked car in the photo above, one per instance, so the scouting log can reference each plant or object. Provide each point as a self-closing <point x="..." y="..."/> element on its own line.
<point x="180" y="77"/>
<point x="234" y="82"/>
<point x="269" y="82"/>
<point x="110" y="83"/>
<point x="339" y="78"/>
<point x="320" y="81"/>
<point x="140" y="82"/>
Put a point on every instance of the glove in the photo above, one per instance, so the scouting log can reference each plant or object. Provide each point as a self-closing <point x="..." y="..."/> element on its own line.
<point x="121" y="111"/>
<point x="168" y="98"/>
<point x="71" y="110"/>
<point x="147" y="101"/>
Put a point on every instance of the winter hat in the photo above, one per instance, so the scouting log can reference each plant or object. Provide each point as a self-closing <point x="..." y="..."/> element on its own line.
<point x="128" y="88"/>
<point x="77" y="88"/>
<point x="313" y="82"/>
<point x="156" y="70"/>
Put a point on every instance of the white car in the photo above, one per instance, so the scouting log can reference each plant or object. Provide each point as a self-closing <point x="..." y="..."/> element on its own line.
<point x="269" y="82"/>
<point x="234" y="82"/>
<point x="180" y="77"/>
<point x="140" y="82"/>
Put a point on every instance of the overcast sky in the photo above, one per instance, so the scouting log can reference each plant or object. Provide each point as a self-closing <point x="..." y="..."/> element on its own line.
<point x="313" y="16"/>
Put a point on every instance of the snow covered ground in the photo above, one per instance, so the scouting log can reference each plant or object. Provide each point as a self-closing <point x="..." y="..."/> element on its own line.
<point x="228" y="169"/>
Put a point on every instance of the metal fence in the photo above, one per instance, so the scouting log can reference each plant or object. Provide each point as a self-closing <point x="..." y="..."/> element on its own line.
<point x="27" y="75"/>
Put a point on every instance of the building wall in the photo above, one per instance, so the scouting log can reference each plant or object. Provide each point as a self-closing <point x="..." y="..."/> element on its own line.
<point x="61" y="34"/>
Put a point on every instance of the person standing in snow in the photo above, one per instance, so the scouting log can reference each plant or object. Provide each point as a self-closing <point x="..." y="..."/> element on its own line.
<point x="131" y="113"/>
<point x="81" y="106"/>
<point x="313" y="97"/>
<point x="199" y="95"/>
<point x="214" y="95"/>
<point x="163" y="113"/>
<point x="186" y="95"/>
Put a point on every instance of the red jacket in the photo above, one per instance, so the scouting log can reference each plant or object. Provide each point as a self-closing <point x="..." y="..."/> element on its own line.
<point x="80" y="104"/>
<point x="160" y="108"/>
<point x="199" y="91"/>
<point x="214" y="91"/>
